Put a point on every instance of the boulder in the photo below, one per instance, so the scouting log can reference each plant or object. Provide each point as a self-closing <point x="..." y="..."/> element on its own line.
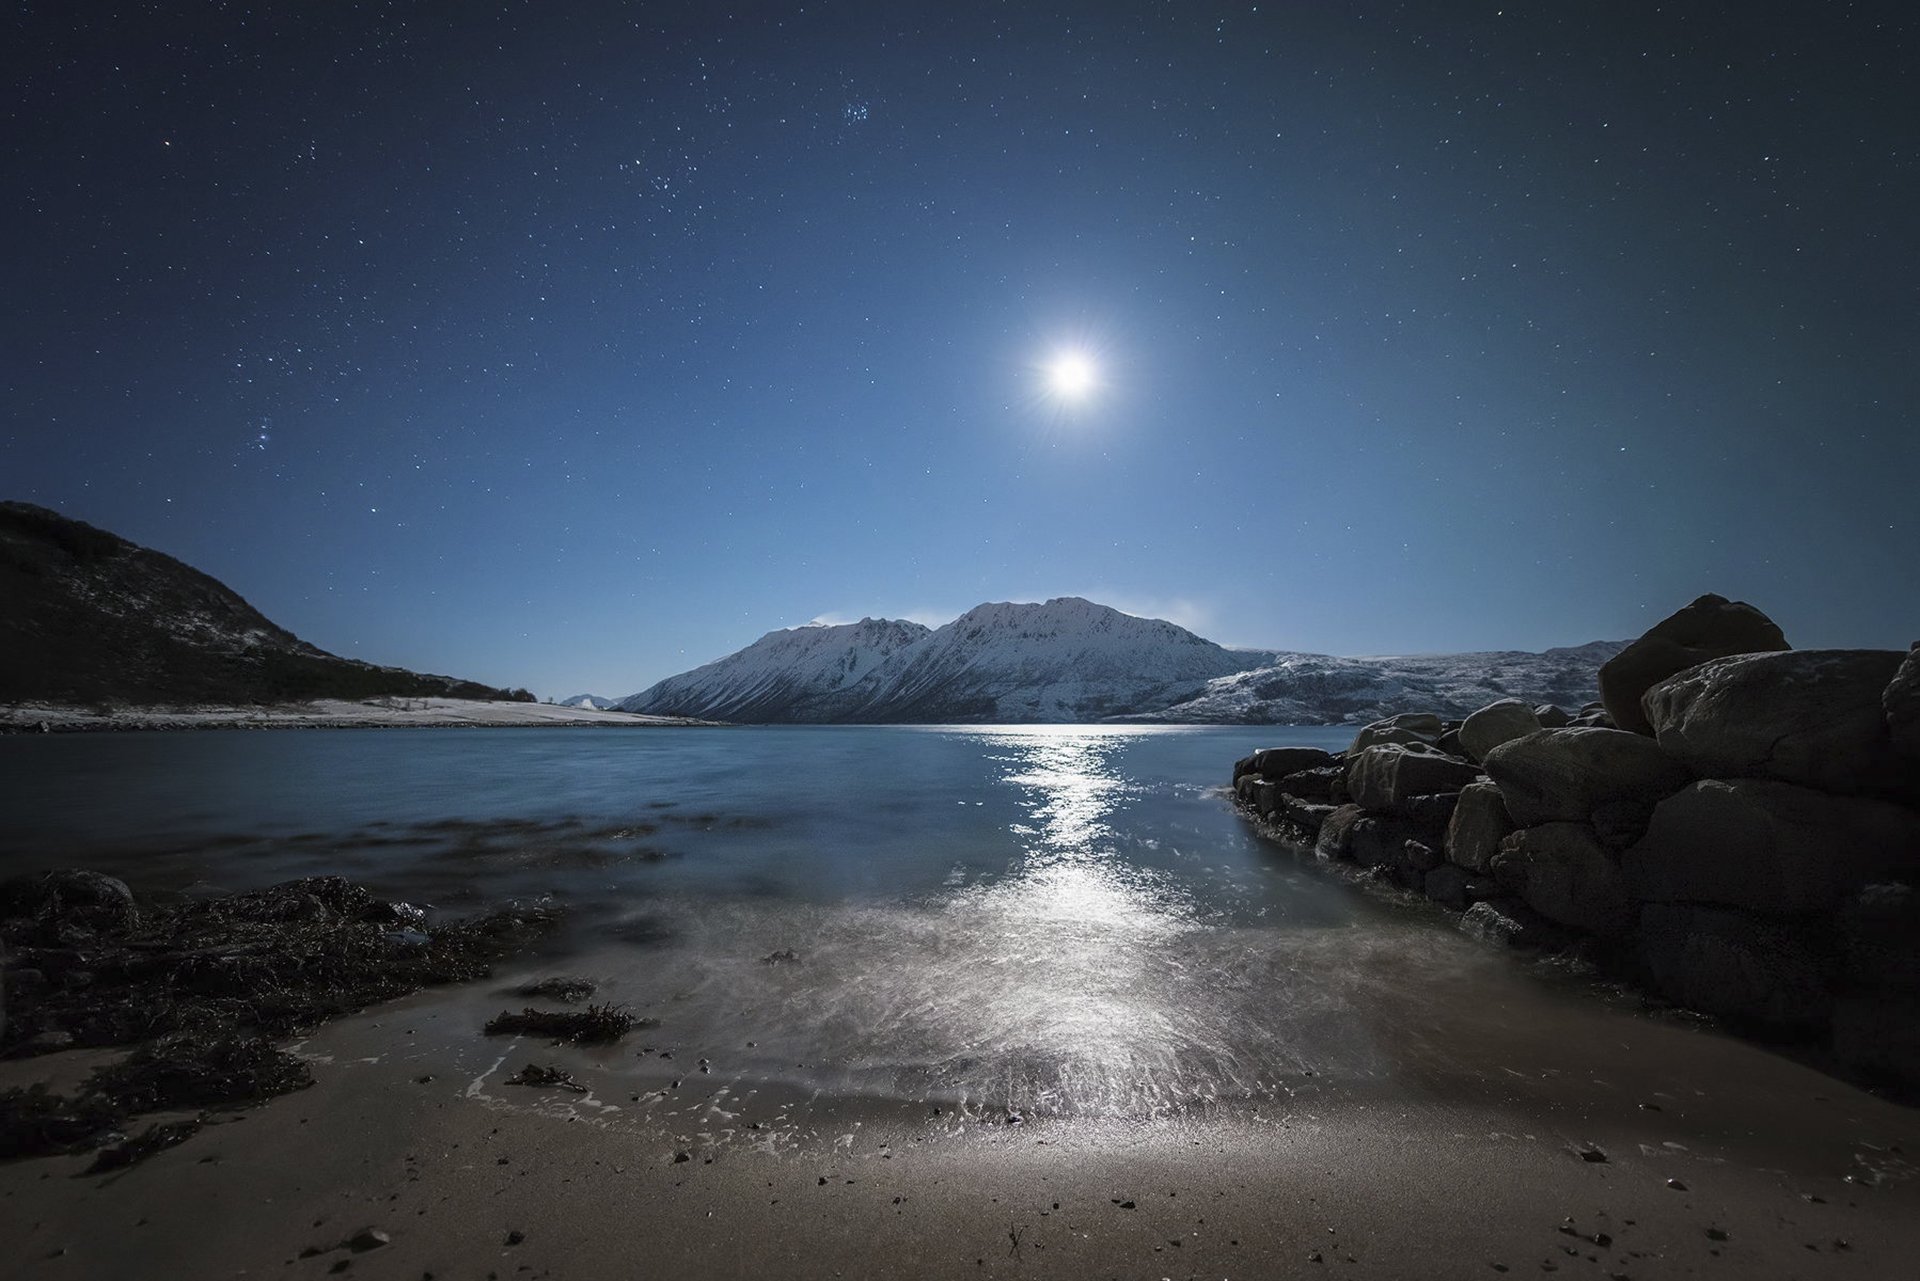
<point x="1507" y="922"/>
<point x="1711" y="627"/>
<point x="1420" y="857"/>
<point x="1307" y="816"/>
<point x="1497" y="723"/>
<point x="1387" y="776"/>
<point x="1880" y="939"/>
<point x="1336" y="832"/>
<point x="1808" y="716"/>
<point x="1770" y="847"/>
<point x="1565" y="873"/>
<point x="1313" y="784"/>
<point x="1901" y="703"/>
<point x="1410" y="727"/>
<point x="1619" y="824"/>
<point x="1266" y="796"/>
<point x="1380" y="840"/>
<point x="1735" y="965"/>
<point x="1551" y="717"/>
<point x="70" y="896"/>
<point x="1879" y="1035"/>
<point x="1278" y="762"/>
<point x="1562" y="775"/>
<point x="1479" y="824"/>
<point x="1431" y="814"/>
<point x="1456" y="887"/>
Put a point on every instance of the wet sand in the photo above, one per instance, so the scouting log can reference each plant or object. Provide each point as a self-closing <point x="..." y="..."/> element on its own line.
<point x="1776" y="1171"/>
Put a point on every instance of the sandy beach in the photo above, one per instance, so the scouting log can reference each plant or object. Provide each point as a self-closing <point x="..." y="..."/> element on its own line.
<point x="1764" y="1168"/>
<point x="382" y="713"/>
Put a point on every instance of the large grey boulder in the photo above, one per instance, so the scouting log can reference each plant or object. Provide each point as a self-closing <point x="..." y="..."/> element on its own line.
<point x="1770" y="847"/>
<point x="1711" y="627"/>
<point x="1879" y="1035"/>
<point x="1735" y="965"/>
<point x="1810" y="716"/>
<point x="1901" y="702"/>
<point x="1336" y="832"/>
<point x="1563" y="775"/>
<point x="1278" y="762"/>
<point x="1497" y="723"/>
<point x="1479" y="824"/>
<point x="1565" y="873"/>
<point x="1409" y="727"/>
<point x="1388" y="776"/>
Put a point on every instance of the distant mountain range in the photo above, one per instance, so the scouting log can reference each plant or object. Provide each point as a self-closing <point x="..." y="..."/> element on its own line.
<point x="88" y="617"/>
<point x="1073" y="660"/>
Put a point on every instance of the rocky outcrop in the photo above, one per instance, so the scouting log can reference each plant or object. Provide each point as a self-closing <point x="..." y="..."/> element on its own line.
<point x="1711" y="627"/>
<point x="1495" y="724"/>
<point x="1563" y="775"/>
<point x="1752" y="853"/>
<point x="1810" y="716"/>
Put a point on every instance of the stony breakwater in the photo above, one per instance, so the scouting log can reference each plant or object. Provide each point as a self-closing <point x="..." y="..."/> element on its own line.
<point x="1735" y="825"/>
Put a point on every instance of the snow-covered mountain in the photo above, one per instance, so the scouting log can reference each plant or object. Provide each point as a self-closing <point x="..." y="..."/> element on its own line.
<point x="796" y="674"/>
<point x="1073" y="660"/>
<point x="592" y="702"/>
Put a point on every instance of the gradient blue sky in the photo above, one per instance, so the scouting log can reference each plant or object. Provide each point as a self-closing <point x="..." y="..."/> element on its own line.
<point x="574" y="345"/>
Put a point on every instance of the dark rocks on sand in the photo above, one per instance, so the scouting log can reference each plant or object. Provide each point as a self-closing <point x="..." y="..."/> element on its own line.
<point x="1711" y="627"/>
<point x="1565" y="873"/>
<point x="1507" y="922"/>
<point x="597" y="1024"/>
<point x="1770" y="847"/>
<point x="1386" y="777"/>
<point x="70" y="896"/>
<point x="1562" y="775"/>
<point x="1495" y="724"/>
<point x="1479" y="824"/>
<point x="1734" y="964"/>
<point x="1809" y="716"/>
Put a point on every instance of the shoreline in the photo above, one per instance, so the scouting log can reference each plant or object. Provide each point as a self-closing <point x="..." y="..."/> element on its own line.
<point x="384" y="713"/>
<point x="420" y="1140"/>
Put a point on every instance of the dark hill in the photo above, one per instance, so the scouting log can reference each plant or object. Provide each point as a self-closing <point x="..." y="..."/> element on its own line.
<point x="88" y="617"/>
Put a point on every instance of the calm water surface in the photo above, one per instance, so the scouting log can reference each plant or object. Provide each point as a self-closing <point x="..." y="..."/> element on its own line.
<point x="1059" y="919"/>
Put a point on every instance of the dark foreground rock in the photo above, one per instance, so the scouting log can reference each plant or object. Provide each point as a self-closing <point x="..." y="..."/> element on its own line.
<point x="1711" y="627"/>
<point x="201" y="989"/>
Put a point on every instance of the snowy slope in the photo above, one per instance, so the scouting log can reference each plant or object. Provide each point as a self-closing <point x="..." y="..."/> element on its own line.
<point x="592" y="702"/>
<point x="797" y="674"/>
<point x="1073" y="660"/>
<point x="1312" y="689"/>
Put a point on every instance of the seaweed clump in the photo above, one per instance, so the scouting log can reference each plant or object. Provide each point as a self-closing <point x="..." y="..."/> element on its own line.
<point x="597" y="1024"/>
<point x="202" y="989"/>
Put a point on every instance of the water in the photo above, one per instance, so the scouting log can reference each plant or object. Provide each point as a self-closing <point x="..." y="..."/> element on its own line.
<point x="1061" y="920"/>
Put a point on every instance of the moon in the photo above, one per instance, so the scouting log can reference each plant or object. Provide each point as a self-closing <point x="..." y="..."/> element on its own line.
<point x="1072" y="376"/>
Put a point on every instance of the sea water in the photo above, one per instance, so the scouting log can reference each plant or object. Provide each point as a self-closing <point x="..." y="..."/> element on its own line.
<point x="1054" y="920"/>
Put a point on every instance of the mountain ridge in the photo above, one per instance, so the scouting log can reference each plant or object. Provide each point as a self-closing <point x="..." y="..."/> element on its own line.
<point x="1073" y="660"/>
<point x="87" y="616"/>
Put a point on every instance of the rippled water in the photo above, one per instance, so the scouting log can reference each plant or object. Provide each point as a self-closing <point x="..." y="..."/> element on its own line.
<point x="1058" y="919"/>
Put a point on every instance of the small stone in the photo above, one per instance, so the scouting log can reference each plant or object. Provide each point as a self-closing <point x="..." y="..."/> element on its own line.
<point x="681" y="1157"/>
<point x="515" y="1237"/>
<point x="1313" y="1256"/>
<point x="1676" y="1185"/>
<point x="1716" y="1234"/>
<point x="1593" y="1155"/>
<point x="368" y="1239"/>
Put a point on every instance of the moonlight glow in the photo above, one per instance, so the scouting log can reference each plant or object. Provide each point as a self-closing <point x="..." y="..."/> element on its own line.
<point x="1072" y="376"/>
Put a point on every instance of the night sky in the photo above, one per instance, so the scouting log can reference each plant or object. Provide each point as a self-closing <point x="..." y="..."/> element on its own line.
<point x="573" y="345"/>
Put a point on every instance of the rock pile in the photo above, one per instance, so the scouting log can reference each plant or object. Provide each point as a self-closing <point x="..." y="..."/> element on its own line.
<point x="1736" y="824"/>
